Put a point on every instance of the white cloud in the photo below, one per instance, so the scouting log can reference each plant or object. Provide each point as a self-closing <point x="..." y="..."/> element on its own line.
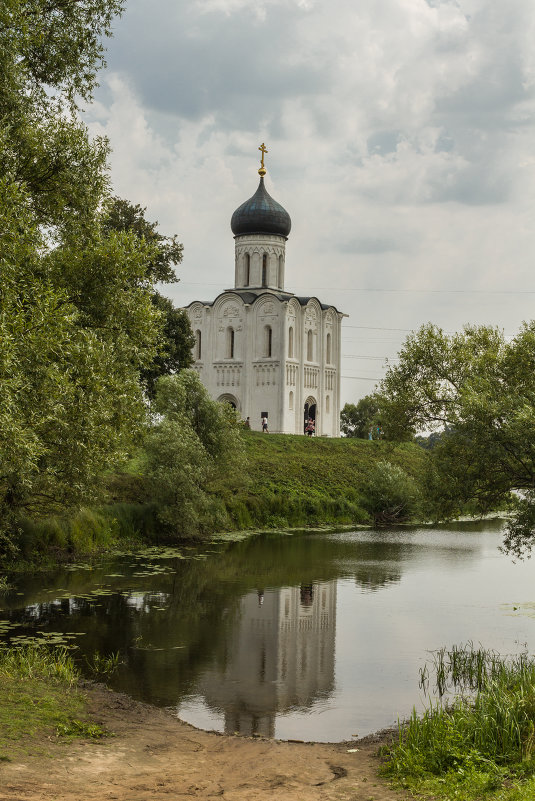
<point x="400" y="135"/>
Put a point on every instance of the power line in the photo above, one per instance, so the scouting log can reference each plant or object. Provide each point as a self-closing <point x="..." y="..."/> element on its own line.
<point x="361" y="378"/>
<point x="373" y="358"/>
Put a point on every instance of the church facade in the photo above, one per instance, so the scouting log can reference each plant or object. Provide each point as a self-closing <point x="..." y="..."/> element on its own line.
<point x="267" y="351"/>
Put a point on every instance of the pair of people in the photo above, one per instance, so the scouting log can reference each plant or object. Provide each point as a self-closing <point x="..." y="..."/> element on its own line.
<point x="310" y="427"/>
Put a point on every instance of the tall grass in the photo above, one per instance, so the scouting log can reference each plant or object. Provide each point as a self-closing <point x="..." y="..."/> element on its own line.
<point x="487" y="731"/>
<point x="32" y="662"/>
<point x="40" y="700"/>
<point x="87" y="531"/>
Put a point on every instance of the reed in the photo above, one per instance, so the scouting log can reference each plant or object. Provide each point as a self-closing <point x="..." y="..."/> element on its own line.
<point x="101" y="665"/>
<point x="33" y="662"/>
<point x="485" y="735"/>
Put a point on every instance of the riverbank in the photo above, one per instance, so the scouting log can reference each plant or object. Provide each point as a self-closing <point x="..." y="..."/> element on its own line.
<point x="149" y="753"/>
<point x="152" y="754"/>
<point x="288" y="482"/>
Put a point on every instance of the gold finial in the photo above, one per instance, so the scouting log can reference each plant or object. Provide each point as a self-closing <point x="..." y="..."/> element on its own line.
<point x="262" y="171"/>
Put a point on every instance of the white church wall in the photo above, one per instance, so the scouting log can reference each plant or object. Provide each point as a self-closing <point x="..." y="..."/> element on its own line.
<point x="270" y="354"/>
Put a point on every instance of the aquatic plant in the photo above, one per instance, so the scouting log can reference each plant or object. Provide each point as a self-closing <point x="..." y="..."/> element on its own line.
<point x="101" y="665"/>
<point x="32" y="661"/>
<point x="485" y="736"/>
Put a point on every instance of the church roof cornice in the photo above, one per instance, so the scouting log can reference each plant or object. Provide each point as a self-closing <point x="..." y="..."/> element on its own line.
<point x="250" y="296"/>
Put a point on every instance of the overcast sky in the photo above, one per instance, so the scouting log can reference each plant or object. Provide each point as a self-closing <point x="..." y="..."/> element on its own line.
<point x="400" y="137"/>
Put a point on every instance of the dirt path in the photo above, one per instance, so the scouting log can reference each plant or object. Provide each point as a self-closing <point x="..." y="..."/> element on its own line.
<point x="154" y="755"/>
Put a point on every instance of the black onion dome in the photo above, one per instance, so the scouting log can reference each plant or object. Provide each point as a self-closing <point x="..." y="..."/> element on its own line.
<point x="261" y="215"/>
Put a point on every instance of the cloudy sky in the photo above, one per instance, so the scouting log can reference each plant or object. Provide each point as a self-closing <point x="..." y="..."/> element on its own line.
<point x="401" y="141"/>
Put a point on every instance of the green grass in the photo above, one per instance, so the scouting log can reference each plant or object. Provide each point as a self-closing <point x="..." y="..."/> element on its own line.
<point x="482" y="745"/>
<point x="40" y="701"/>
<point x="293" y="480"/>
<point x="290" y="481"/>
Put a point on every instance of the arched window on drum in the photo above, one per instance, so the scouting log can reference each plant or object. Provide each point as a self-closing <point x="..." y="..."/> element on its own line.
<point x="268" y="341"/>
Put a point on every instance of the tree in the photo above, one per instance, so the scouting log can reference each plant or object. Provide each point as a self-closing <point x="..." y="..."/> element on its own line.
<point x="358" y="420"/>
<point x="174" y="347"/>
<point x="121" y="215"/>
<point x="196" y="441"/>
<point x="392" y="496"/>
<point x="77" y="321"/>
<point x="482" y="389"/>
<point x="50" y="52"/>
<point x="176" y="337"/>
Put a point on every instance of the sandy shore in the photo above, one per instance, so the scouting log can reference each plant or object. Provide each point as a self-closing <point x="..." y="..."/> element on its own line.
<point x="154" y="755"/>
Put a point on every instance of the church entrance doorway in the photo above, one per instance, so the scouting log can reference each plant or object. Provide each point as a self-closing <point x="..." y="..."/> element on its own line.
<point x="230" y="399"/>
<point x="310" y="420"/>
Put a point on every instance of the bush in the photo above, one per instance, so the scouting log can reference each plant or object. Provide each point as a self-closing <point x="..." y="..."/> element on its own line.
<point x="195" y="443"/>
<point x="392" y="496"/>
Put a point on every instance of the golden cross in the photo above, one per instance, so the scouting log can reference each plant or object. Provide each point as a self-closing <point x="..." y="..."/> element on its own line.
<point x="264" y="151"/>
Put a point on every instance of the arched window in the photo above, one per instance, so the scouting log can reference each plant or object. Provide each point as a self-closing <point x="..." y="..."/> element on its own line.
<point x="327" y="404"/>
<point x="264" y="269"/>
<point x="328" y="348"/>
<point x="310" y="345"/>
<point x="268" y="341"/>
<point x="230" y="343"/>
<point x="198" y="344"/>
<point x="247" y="269"/>
<point x="291" y="401"/>
<point x="291" y="342"/>
<point x="281" y="263"/>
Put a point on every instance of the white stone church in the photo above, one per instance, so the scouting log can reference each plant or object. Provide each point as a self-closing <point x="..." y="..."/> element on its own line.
<point x="261" y="348"/>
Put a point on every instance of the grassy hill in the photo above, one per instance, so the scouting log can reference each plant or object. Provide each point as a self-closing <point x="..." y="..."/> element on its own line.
<point x="288" y="481"/>
<point x="296" y="480"/>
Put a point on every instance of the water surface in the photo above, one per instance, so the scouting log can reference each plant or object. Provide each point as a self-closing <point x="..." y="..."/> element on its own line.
<point x="312" y="636"/>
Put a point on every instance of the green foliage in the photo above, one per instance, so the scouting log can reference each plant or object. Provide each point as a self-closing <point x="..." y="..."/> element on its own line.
<point x="100" y="665"/>
<point x="121" y="215"/>
<point x="176" y="337"/>
<point x="174" y="347"/>
<point x="480" y="389"/>
<point x="88" y="531"/>
<point x="300" y="481"/>
<point x="31" y="662"/>
<point x="81" y="728"/>
<point x="361" y="419"/>
<point x="480" y="741"/>
<point x="55" y="44"/>
<point x="289" y="481"/>
<point x="77" y="321"/>
<point x="392" y="496"/>
<point x="195" y="443"/>
<point x="39" y="699"/>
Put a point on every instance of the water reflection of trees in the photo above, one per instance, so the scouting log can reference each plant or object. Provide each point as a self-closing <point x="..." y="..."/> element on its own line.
<point x="168" y="627"/>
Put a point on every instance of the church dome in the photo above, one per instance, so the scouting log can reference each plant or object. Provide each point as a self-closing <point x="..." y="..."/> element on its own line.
<point x="261" y="215"/>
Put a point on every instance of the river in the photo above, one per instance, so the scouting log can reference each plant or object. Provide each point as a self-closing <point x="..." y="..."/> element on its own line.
<point x="310" y="636"/>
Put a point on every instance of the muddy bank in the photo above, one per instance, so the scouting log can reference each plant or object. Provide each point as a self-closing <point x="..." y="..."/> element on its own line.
<point x="152" y="754"/>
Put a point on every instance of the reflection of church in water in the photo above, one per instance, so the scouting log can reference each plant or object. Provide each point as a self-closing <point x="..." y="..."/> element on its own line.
<point x="279" y="654"/>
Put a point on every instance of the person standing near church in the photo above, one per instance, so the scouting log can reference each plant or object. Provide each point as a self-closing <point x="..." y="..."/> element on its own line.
<point x="265" y="425"/>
